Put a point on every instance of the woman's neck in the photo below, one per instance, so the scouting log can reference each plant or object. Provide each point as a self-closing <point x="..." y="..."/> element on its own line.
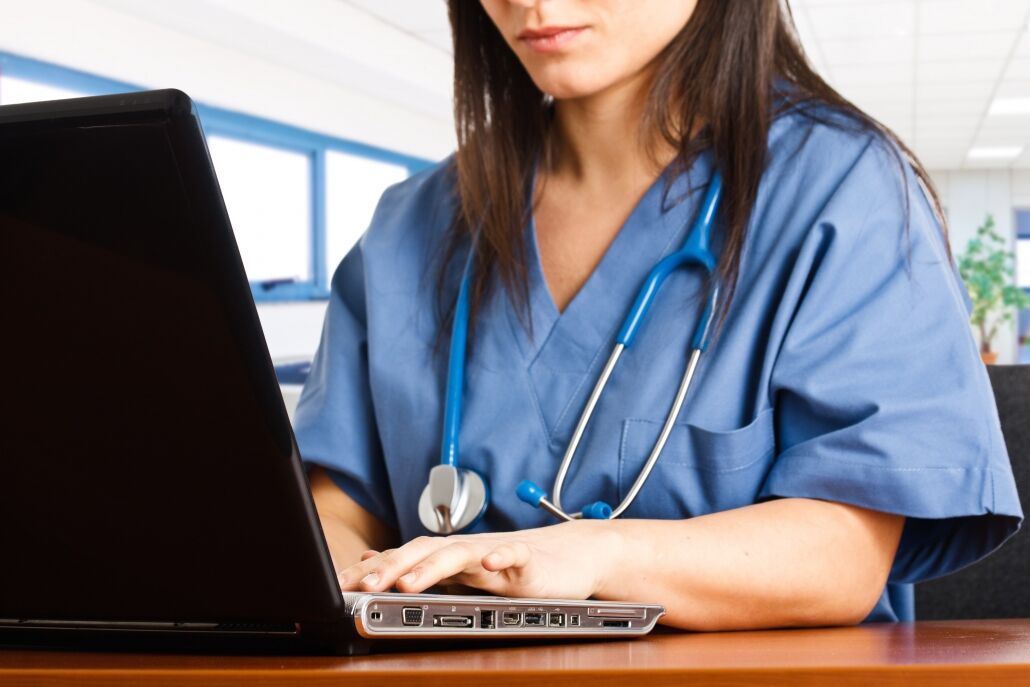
<point x="597" y="140"/>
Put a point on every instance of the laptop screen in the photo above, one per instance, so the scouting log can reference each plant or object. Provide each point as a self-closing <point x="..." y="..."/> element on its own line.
<point x="147" y="465"/>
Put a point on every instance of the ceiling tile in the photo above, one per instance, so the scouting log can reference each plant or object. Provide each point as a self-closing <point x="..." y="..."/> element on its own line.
<point x="951" y="108"/>
<point x="885" y="74"/>
<point x="868" y="94"/>
<point x="1018" y="70"/>
<point x="1023" y="47"/>
<point x="851" y="20"/>
<point x="1003" y="128"/>
<point x="1015" y="88"/>
<point x="963" y="16"/>
<point x="960" y="90"/>
<point x="946" y="119"/>
<point x="960" y="70"/>
<point x="972" y="46"/>
<point x="868" y="50"/>
<point x="943" y="160"/>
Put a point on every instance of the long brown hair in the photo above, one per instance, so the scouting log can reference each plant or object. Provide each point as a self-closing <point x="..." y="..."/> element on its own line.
<point x="726" y="70"/>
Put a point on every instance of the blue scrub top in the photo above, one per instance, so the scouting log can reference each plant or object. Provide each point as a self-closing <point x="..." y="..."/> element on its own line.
<point x="845" y="371"/>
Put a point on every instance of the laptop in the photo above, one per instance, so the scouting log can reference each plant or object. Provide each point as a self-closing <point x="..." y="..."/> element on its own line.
<point x="150" y="485"/>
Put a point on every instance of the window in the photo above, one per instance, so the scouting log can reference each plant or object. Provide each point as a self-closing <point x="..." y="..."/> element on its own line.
<point x="1023" y="280"/>
<point x="1023" y="248"/>
<point x="353" y="187"/>
<point x="297" y="199"/>
<point x="267" y="193"/>
<point x="14" y="90"/>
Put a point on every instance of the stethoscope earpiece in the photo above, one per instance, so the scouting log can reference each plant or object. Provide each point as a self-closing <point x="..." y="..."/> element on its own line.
<point x="531" y="493"/>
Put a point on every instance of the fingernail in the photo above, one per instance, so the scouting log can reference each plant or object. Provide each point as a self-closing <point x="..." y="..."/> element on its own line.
<point x="371" y="579"/>
<point x="408" y="577"/>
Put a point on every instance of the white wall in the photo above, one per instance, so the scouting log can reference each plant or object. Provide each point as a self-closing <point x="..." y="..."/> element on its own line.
<point x="292" y="330"/>
<point x="968" y="196"/>
<point x="318" y="69"/>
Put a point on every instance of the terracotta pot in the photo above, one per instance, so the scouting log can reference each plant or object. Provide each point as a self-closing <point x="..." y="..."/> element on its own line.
<point x="989" y="358"/>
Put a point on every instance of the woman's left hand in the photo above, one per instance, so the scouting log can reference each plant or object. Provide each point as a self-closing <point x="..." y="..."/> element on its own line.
<point x="560" y="561"/>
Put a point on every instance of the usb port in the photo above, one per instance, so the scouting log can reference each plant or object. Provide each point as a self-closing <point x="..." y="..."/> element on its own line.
<point x="412" y="615"/>
<point x="574" y="620"/>
<point x="511" y="619"/>
<point x="557" y="620"/>
<point x="486" y="619"/>
<point x="536" y="619"/>
<point x="614" y="623"/>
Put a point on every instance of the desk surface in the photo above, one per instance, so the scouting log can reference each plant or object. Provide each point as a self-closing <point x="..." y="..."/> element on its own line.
<point x="989" y="652"/>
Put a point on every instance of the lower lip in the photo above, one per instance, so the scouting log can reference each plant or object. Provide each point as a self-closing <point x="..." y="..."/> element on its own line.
<point x="554" y="42"/>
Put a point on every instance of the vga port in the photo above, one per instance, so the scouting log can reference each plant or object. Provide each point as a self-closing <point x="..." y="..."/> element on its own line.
<point x="412" y="615"/>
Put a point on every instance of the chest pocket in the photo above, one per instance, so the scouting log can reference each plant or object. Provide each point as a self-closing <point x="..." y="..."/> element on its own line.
<point x="700" y="470"/>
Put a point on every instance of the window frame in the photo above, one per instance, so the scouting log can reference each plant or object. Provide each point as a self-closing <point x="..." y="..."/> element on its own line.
<point x="251" y="129"/>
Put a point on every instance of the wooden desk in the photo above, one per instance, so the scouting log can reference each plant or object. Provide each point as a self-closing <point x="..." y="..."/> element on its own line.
<point x="995" y="653"/>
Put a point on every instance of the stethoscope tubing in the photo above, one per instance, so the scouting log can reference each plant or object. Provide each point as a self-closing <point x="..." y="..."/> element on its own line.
<point x="696" y="251"/>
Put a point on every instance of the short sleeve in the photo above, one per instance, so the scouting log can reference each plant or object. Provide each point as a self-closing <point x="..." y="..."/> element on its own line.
<point x="880" y="397"/>
<point x="335" y="420"/>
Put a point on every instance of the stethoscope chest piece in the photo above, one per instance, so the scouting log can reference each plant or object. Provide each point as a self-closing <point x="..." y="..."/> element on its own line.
<point x="453" y="499"/>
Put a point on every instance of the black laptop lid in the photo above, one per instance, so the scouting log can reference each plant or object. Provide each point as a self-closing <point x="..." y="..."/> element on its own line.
<point x="148" y="470"/>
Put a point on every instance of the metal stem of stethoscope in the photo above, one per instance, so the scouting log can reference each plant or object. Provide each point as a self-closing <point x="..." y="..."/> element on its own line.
<point x="694" y="251"/>
<point x="656" y="451"/>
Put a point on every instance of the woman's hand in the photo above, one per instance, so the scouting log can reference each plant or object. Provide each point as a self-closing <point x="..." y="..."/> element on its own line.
<point x="561" y="561"/>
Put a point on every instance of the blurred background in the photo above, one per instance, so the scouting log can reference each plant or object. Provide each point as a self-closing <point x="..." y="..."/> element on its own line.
<point x="313" y="107"/>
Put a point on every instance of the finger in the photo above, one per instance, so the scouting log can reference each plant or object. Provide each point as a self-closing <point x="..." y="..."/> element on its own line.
<point x="451" y="560"/>
<point x="351" y="577"/>
<point x="380" y="571"/>
<point x="513" y="555"/>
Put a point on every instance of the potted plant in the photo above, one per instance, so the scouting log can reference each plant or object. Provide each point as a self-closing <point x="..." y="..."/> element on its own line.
<point x="988" y="270"/>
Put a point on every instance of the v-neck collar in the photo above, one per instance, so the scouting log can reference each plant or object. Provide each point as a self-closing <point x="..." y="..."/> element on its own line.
<point x="655" y="227"/>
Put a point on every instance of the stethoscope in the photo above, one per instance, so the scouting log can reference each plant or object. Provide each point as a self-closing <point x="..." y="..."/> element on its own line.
<point x="455" y="497"/>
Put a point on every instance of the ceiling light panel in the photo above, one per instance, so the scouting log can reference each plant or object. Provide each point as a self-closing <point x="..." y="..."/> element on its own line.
<point x="995" y="152"/>
<point x="1010" y="106"/>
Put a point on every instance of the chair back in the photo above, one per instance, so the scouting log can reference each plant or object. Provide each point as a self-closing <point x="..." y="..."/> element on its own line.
<point x="999" y="585"/>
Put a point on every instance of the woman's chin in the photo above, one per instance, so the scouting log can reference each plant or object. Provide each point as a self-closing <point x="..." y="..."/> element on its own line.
<point x="569" y="87"/>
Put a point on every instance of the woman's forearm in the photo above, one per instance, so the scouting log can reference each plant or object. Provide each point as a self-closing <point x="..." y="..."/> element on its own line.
<point x="779" y="563"/>
<point x="349" y="529"/>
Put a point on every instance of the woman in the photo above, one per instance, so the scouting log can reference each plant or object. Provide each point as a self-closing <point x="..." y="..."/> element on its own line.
<point x="839" y="440"/>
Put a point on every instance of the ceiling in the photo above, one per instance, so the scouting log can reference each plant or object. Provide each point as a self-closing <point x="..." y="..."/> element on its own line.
<point x="929" y="69"/>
